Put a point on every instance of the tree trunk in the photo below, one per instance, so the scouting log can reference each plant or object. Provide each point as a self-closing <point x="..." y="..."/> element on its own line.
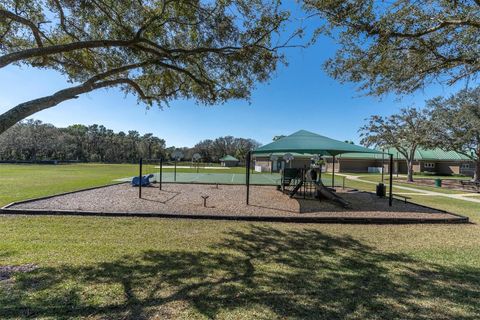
<point x="409" y="171"/>
<point x="476" y="175"/>
<point x="26" y="109"/>
<point x="476" y="172"/>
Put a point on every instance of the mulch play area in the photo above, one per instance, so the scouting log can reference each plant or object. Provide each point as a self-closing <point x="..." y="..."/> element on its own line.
<point x="228" y="202"/>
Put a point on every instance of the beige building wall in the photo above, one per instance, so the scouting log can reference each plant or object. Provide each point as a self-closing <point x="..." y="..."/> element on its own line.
<point x="265" y="164"/>
<point x="468" y="169"/>
<point x="329" y="165"/>
<point x="446" y="168"/>
<point x="359" y="165"/>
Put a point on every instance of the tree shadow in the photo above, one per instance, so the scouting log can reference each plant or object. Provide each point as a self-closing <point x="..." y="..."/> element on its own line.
<point x="303" y="274"/>
<point x="362" y="201"/>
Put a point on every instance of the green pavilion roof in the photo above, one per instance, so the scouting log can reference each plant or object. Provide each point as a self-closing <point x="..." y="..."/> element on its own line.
<point x="281" y="154"/>
<point x="420" y="154"/>
<point x="305" y="142"/>
<point x="228" y="158"/>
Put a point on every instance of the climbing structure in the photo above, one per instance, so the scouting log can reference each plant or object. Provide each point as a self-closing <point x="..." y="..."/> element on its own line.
<point x="306" y="184"/>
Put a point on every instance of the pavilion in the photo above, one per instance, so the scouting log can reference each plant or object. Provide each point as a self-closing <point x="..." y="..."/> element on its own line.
<point x="309" y="143"/>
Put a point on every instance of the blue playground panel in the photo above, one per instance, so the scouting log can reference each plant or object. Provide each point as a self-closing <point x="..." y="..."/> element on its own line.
<point x="220" y="178"/>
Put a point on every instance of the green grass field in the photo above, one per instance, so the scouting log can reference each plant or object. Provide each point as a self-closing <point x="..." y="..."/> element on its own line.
<point x="20" y="182"/>
<point x="117" y="268"/>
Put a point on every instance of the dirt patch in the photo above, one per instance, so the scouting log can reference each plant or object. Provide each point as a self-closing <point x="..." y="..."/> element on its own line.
<point x="186" y="199"/>
<point x="6" y="272"/>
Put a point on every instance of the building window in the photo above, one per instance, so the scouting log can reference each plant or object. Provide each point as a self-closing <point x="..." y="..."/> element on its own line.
<point x="465" y="166"/>
<point x="429" y="165"/>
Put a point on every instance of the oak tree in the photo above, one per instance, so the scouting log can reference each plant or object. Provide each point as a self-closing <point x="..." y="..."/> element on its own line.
<point x="404" y="131"/>
<point x="456" y="124"/>
<point x="401" y="45"/>
<point x="207" y="51"/>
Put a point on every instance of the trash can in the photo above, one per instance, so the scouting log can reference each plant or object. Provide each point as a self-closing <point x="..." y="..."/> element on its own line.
<point x="438" y="183"/>
<point x="381" y="190"/>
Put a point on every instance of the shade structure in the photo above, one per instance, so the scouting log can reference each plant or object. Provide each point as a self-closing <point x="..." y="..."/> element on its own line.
<point x="228" y="158"/>
<point x="306" y="142"/>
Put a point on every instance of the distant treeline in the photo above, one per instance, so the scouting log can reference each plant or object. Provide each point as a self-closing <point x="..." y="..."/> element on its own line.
<point x="33" y="141"/>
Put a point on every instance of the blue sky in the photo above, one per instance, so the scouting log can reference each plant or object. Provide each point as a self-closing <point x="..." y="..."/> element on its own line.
<point x="299" y="96"/>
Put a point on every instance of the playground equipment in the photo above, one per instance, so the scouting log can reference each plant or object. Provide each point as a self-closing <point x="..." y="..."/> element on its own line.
<point x="144" y="181"/>
<point x="330" y="195"/>
<point x="305" y="142"/>
<point x="307" y="184"/>
<point x="288" y="157"/>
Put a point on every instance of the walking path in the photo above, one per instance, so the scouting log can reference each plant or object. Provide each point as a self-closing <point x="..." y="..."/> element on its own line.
<point x="416" y="191"/>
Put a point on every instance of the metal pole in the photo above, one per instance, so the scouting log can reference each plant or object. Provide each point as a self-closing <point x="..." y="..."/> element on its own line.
<point x="175" y="171"/>
<point x="383" y="165"/>
<point x="390" y="198"/>
<point x="333" y="172"/>
<point x="247" y="177"/>
<point x="160" y="176"/>
<point x="304" y="182"/>
<point x="398" y="164"/>
<point x="140" y="179"/>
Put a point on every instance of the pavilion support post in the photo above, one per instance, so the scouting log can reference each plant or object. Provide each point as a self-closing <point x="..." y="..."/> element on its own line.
<point x="140" y="178"/>
<point x="160" y="174"/>
<point x="398" y="164"/>
<point x="390" y="171"/>
<point x="247" y="176"/>
<point x="383" y="166"/>
<point x="175" y="171"/>
<point x="333" y="172"/>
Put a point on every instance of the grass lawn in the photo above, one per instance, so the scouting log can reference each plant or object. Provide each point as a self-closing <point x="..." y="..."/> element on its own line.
<point x="377" y="178"/>
<point x="117" y="268"/>
<point x="20" y="182"/>
<point x="349" y="183"/>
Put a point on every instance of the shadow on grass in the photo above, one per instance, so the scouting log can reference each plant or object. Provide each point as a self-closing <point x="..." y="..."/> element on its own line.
<point x="260" y="271"/>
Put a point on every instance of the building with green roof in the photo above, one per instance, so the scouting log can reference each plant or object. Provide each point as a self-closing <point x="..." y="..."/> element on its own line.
<point x="302" y="146"/>
<point x="434" y="161"/>
<point x="229" y="161"/>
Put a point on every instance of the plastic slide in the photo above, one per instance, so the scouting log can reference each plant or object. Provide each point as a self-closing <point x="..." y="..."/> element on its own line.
<point x="297" y="187"/>
<point x="330" y="195"/>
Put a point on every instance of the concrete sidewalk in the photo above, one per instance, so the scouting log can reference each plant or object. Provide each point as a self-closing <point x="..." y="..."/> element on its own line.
<point x="419" y="192"/>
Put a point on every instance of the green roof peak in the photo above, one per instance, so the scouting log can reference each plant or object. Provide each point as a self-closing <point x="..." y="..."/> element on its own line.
<point x="307" y="142"/>
<point x="228" y="158"/>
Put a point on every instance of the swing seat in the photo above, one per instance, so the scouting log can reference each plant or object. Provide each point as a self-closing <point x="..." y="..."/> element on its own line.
<point x="145" y="181"/>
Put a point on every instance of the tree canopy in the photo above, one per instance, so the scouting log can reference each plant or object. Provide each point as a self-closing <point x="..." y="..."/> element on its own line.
<point x="213" y="150"/>
<point x="32" y="140"/>
<point x="402" y="45"/>
<point x="208" y="51"/>
<point x="456" y="124"/>
<point x="404" y="131"/>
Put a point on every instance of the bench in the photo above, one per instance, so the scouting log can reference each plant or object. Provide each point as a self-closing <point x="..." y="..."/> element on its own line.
<point x="403" y="198"/>
<point x="475" y="185"/>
